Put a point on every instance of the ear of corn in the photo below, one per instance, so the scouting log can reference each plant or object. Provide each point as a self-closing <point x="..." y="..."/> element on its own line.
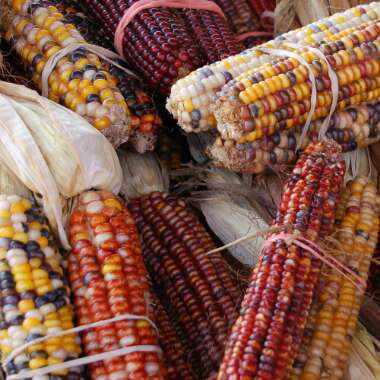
<point x="37" y="31"/>
<point x="145" y="120"/>
<point x="34" y="296"/>
<point x="108" y="278"/>
<point x="198" y="287"/>
<point x="331" y="326"/>
<point x="277" y="95"/>
<point x="265" y="338"/>
<point x="190" y="97"/>
<point x="166" y="44"/>
<point x="243" y="18"/>
<point x="354" y="127"/>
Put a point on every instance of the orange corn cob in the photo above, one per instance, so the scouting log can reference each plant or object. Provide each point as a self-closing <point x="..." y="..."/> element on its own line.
<point x="108" y="277"/>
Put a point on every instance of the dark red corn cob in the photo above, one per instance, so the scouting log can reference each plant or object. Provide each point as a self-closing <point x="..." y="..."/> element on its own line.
<point x="198" y="287"/>
<point x="240" y="15"/>
<point x="176" y="358"/>
<point x="266" y="336"/>
<point x="160" y="43"/>
<point x="242" y="19"/>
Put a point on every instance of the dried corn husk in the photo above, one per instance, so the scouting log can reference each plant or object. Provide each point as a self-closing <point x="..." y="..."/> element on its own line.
<point x="233" y="210"/>
<point x="292" y="14"/>
<point x="359" y="163"/>
<point x="53" y="151"/>
<point x="364" y="362"/>
<point x="10" y="184"/>
<point x="143" y="174"/>
<point x="370" y="316"/>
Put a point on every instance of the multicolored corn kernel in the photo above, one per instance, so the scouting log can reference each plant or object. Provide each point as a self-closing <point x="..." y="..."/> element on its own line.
<point x="265" y="338"/>
<point x="34" y="296"/>
<point x="330" y="329"/>
<point x="145" y="120"/>
<point x="108" y="278"/>
<point x="199" y="287"/>
<point x="191" y="96"/>
<point x="165" y="44"/>
<point x="37" y="31"/>
<point x="354" y="127"/>
<point x="277" y="96"/>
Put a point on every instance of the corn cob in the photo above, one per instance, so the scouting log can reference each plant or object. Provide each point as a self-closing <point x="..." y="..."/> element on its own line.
<point x="330" y="329"/>
<point x="34" y="296"/>
<point x="176" y="359"/>
<point x="199" y="288"/>
<point x="190" y="97"/>
<point x="357" y="126"/>
<point x="277" y="96"/>
<point x="159" y="42"/>
<point x="108" y="278"/>
<point x="242" y="19"/>
<point x="264" y="340"/>
<point x="37" y="31"/>
<point x="145" y="120"/>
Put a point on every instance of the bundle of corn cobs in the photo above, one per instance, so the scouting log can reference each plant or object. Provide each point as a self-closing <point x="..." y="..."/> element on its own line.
<point x="254" y="106"/>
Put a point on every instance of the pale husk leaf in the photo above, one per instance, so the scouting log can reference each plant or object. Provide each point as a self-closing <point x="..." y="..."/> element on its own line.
<point x="142" y="174"/>
<point x="364" y="361"/>
<point x="11" y="185"/>
<point x="78" y="155"/>
<point x="231" y="214"/>
<point x="20" y="154"/>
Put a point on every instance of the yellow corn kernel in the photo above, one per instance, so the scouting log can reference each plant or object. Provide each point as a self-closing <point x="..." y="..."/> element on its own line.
<point x="244" y="97"/>
<point x="37" y="363"/>
<point x="5" y="214"/>
<point x="6" y="232"/>
<point x="102" y="123"/>
<point x="113" y="203"/>
<point x="21" y="236"/>
<point x="29" y="323"/>
<point x="26" y="305"/>
<point x="43" y="241"/>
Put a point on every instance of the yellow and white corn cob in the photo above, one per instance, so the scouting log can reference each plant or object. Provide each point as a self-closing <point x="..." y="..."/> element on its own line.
<point x="334" y="315"/>
<point x="191" y="96"/>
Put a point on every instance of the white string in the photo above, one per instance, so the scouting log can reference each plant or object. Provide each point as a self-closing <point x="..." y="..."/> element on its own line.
<point x="267" y="14"/>
<point x="82" y="361"/>
<point x="334" y="86"/>
<point x="313" y="96"/>
<point x="103" y="53"/>
<point x="87" y="359"/>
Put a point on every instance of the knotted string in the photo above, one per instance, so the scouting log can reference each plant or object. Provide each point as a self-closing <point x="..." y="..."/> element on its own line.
<point x="140" y="5"/>
<point x="315" y="250"/>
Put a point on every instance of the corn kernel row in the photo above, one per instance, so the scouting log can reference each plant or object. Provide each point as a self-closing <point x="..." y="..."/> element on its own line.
<point x="277" y="96"/>
<point x="330" y="329"/>
<point x="34" y="297"/>
<point x="37" y="31"/>
<point x="108" y="278"/>
<point x="191" y="96"/>
<point x="357" y="126"/>
<point x="175" y="355"/>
